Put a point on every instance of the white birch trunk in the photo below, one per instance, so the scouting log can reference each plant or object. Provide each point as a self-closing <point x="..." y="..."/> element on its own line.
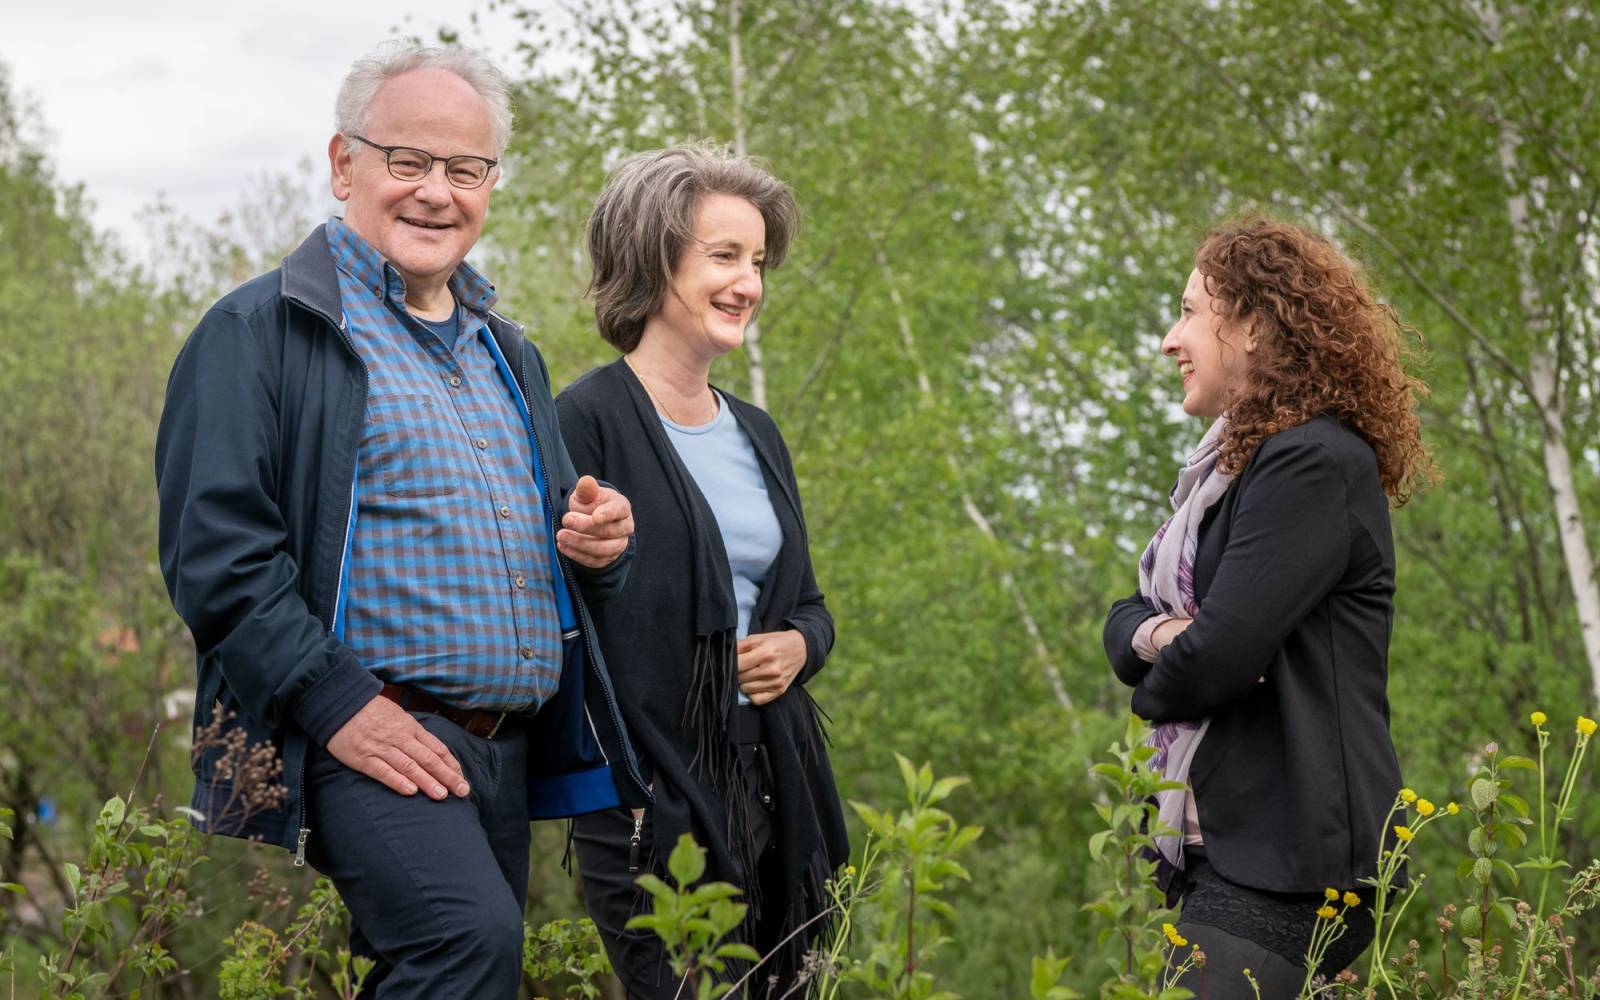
<point x="752" y="332"/>
<point x="1545" y="380"/>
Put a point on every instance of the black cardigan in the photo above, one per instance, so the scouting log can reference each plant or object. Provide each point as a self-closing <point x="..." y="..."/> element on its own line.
<point x="1294" y="572"/>
<point x="647" y="637"/>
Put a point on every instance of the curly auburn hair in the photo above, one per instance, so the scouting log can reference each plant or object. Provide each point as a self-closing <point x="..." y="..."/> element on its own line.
<point x="1323" y="344"/>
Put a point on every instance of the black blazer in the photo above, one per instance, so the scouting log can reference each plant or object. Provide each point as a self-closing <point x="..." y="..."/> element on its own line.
<point x="1288" y="655"/>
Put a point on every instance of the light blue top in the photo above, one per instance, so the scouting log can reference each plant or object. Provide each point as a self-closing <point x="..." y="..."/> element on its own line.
<point x="724" y="465"/>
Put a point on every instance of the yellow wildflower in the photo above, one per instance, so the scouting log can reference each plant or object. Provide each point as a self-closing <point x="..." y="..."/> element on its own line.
<point x="1177" y="940"/>
<point x="850" y="872"/>
<point x="1330" y="894"/>
<point x="1424" y="807"/>
<point x="1539" y="718"/>
<point x="1407" y="796"/>
<point x="1403" y="832"/>
<point x="1351" y="899"/>
<point x="1326" y="913"/>
<point x="1586" y="726"/>
<point x="1452" y="809"/>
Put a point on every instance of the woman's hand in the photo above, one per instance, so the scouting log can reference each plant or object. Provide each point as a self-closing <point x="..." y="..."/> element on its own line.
<point x="1167" y="631"/>
<point x="769" y="662"/>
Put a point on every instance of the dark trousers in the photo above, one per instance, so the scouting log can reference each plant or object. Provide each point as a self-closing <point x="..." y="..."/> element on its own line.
<point x="603" y="845"/>
<point x="435" y="889"/>
<point x="1227" y="956"/>
<point x="1268" y="933"/>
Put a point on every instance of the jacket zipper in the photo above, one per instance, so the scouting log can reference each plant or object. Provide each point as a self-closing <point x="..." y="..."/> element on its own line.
<point x="304" y="832"/>
<point x="584" y="625"/>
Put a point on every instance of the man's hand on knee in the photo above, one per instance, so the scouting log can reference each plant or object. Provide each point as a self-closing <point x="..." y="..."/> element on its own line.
<point x="385" y="743"/>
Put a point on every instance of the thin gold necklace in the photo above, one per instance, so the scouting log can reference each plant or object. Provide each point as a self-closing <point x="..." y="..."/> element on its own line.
<point x="657" y="399"/>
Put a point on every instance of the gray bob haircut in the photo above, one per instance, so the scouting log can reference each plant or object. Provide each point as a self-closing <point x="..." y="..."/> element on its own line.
<point x="644" y="220"/>
<point x="353" y="107"/>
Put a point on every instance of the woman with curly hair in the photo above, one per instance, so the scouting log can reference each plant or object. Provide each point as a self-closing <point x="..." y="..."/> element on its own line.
<point x="1257" y="643"/>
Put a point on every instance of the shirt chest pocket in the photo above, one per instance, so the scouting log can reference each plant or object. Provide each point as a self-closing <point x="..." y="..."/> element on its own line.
<point x="412" y="442"/>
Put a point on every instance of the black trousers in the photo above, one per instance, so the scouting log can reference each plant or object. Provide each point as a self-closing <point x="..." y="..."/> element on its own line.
<point x="435" y="889"/>
<point x="603" y="842"/>
<point x="1268" y="933"/>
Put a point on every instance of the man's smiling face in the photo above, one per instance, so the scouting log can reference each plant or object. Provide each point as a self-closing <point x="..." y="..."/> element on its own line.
<point x="424" y="228"/>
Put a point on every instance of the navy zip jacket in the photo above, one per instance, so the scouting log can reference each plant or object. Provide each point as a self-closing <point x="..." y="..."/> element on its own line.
<point x="255" y="468"/>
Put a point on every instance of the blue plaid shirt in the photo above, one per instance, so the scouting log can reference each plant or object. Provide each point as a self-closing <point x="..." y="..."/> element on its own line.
<point x="451" y="572"/>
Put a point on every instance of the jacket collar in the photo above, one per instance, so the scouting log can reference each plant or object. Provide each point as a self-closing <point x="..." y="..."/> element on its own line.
<point x="310" y="279"/>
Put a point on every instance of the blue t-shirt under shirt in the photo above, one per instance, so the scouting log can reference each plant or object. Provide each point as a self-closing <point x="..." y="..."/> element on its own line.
<point x="724" y="465"/>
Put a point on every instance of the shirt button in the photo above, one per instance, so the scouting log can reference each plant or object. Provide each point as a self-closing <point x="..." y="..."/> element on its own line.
<point x="505" y="511"/>
<point x="522" y="582"/>
<point x="527" y="653"/>
<point x="482" y="442"/>
<point x="455" y="381"/>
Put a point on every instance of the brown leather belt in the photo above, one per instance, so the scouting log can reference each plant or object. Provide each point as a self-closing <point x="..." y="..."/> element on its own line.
<point x="475" y="721"/>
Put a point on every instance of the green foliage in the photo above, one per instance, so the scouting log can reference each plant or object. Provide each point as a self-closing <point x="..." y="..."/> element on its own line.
<point x="1131" y="909"/>
<point x="258" y="966"/>
<point x="6" y="815"/>
<point x="128" y="895"/>
<point x="7" y="955"/>
<point x="1499" y="818"/>
<point x="1543" y="942"/>
<point x="1045" y="982"/>
<point x="1000" y="200"/>
<point x="1538" y="956"/>
<point x="910" y="855"/>
<point x="565" y="955"/>
<point x="694" y="921"/>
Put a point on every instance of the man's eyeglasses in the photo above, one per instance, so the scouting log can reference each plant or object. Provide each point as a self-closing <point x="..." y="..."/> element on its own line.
<point x="407" y="164"/>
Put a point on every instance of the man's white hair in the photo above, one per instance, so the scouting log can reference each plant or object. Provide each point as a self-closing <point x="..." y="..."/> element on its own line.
<point x="353" y="108"/>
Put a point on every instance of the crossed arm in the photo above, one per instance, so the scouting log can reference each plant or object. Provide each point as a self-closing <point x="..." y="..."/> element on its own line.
<point x="1288" y="545"/>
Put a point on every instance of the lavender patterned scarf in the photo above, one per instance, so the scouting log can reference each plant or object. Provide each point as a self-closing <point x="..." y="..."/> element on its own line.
<point x="1166" y="582"/>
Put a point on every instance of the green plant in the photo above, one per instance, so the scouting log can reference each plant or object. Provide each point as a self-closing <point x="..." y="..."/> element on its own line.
<point x="1045" y="983"/>
<point x="1417" y="813"/>
<point x="567" y="952"/>
<point x="860" y="883"/>
<point x="694" y="921"/>
<point x="7" y="955"/>
<point x="1330" y="927"/>
<point x="1133" y="908"/>
<point x="133" y="859"/>
<point x="1501" y="817"/>
<point x="918" y="848"/>
<point x="254" y="969"/>
<point x="1546" y="960"/>
<point x="1546" y="862"/>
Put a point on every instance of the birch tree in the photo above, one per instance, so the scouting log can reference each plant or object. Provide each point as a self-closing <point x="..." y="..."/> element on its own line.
<point x="1453" y="147"/>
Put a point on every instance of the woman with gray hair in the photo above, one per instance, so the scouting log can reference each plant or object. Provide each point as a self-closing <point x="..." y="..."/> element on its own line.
<point x="722" y="623"/>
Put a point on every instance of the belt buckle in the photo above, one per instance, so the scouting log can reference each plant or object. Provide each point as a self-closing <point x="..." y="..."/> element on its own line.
<point x="498" y="722"/>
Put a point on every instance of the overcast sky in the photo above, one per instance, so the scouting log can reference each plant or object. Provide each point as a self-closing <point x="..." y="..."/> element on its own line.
<point x="196" y="99"/>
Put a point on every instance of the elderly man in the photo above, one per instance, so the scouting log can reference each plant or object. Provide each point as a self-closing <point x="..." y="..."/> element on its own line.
<point x="371" y="526"/>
